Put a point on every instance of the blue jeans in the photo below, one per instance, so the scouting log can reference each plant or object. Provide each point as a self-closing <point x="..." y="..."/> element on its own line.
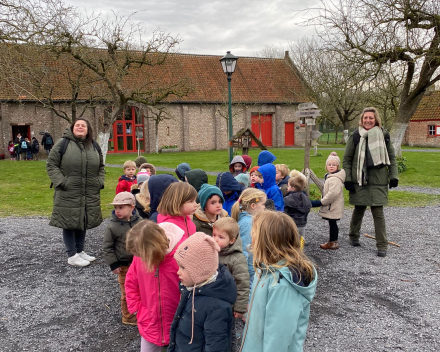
<point x="74" y="241"/>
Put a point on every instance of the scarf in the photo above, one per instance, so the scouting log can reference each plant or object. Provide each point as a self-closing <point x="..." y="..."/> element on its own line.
<point x="377" y="148"/>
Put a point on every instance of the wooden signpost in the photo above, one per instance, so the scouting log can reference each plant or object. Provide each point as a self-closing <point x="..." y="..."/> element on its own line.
<point x="310" y="112"/>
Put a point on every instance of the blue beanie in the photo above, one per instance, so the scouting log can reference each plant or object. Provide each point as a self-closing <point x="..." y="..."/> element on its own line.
<point x="206" y="191"/>
<point x="181" y="169"/>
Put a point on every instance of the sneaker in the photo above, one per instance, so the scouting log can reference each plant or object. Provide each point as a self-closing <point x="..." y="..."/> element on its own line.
<point x="130" y="321"/>
<point x="355" y="242"/>
<point x="330" y="245"/>
<point x="87" y="257"/>
<point x="76" y="260"/>
<point x="302" y="242"/>
<point x="381" y="253"/>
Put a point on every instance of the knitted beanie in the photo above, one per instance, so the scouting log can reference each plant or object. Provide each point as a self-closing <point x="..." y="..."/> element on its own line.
<point x="243" y="179"/>
<point x="333" y="157"/>
<point x="198" y="255"/>
<point x="181" y="169"/>
<point x="140" y="160"/>
<point x="142" y="176"/>
<point x="255" y="168"/>
<point x="206" y="191"/>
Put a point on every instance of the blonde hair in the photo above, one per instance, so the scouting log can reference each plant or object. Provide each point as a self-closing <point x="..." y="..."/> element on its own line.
<point x="376" y="116"/>
<point x="228" y="225"/>
<point x="247" y="197"/>
<point x="129" y="163"/>
<point x="283" y="169"/>
<point x="147" y="240"/>
<point x="276" y="244"/>
<point x="298" y="183"/>
<point x="143" y="197"/>
<point x="176" y="194"/>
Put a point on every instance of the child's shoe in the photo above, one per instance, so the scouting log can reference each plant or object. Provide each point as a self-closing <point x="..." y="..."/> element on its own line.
<point x="87" y="257"/>
<point x="330" y="245"/>
<point x="130" y="321"/>
<point x="76" y="260"/>
<point x="302" y="242"/>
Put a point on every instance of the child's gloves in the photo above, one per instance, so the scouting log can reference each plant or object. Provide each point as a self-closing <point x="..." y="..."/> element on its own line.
<point x="394" y="183"/>
<point x="349" y="186"/>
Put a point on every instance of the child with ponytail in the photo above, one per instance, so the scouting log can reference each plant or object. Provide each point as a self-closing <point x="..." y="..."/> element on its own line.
<point x="250" y="203"/>
<point x="152" y="283"/>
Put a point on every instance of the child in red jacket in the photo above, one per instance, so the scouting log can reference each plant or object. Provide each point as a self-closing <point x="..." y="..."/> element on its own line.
<point x="152" y="283"/>
<point x="128" y="179"/>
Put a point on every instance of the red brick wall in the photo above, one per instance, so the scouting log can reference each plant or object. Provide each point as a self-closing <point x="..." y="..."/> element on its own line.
<point x="417" y="134"/>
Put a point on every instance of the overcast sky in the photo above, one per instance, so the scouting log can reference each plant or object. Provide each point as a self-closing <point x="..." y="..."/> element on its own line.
<point x="212" y="27"/>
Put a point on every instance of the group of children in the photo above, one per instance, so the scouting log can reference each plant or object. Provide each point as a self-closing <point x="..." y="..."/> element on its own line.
<point x="24" y="149"/>
<point x="211" y="254"/>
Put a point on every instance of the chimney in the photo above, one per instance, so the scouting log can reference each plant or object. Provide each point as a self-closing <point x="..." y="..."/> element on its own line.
<point x="286" y="55"/>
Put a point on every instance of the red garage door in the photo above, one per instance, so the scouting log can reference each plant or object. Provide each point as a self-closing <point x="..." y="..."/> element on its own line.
<point x="262" y="128"/>
<point x="289" y="133"/>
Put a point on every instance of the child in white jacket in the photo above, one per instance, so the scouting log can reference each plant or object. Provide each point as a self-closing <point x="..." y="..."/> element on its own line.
<point x="332" y="202"/>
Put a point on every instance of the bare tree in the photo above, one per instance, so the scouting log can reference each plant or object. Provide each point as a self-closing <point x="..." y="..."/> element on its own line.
<point x="388" y="32"/>
<point x="158" y="113"/>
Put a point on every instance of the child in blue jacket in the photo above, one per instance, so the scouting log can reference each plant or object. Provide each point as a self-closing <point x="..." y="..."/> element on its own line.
<point x="284" y="286"/>
<point x="268" y="171"/>
<point x="230" y="188"/>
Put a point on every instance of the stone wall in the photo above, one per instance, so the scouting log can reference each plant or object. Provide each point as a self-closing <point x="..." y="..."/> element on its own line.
<point x="417" y="134"/>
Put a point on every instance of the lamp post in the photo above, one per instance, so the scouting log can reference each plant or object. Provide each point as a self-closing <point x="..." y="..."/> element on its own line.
<point x="229" y="62"/>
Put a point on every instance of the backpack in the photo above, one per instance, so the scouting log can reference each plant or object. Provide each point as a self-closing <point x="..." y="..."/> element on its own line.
<point x="36" y="147"/>
<point x="11" y="149"/>
<point x="63" y="149"/>
<point x="23" y="145"/>
<point x="49" y="140"/>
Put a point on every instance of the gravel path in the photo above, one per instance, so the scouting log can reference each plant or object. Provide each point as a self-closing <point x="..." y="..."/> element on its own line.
<point x="363" y="303"/>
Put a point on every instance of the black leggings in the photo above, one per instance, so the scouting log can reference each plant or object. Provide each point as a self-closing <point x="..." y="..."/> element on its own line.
<point x="334" y="230"/>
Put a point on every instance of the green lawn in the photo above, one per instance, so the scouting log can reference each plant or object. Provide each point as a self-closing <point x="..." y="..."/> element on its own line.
<point x="25" y="185"/>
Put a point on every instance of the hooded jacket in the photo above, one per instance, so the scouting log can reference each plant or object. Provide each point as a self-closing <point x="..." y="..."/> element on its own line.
<point x="270" y="187"/>
<point x="297" y="205"/>
<point x="283" y="184"/>
<point x="248" y="161"/>
<point x="184" y="222"/>
<point x="155" y="295"/>
<point x="78" y="178"/>
<point x="196" y="178"/>
<point x="237" y="159"/>
<point x="157" y="184"/>
<point x="332" y="202"/>
<point x="245" y="224"/>
<point x="180" y="171"/>
<point x="148" y="166"/>
<point x="213" y="316"/>
<point x="115" y="238"/>
<point x="233" y="257"/>
<point x="226" y="182"/>
<point x="125" y="183"/>
<point x="278" y="318"/>
<point x="266" y="157"/>
<point x="202" y="223"/>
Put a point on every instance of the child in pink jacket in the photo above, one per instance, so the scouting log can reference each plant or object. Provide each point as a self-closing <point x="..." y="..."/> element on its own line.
<point x="152" y="283"/>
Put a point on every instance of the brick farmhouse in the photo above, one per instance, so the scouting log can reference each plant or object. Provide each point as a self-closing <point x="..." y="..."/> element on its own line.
<point x="424" y="127"/>
<point x="265" y="95"/>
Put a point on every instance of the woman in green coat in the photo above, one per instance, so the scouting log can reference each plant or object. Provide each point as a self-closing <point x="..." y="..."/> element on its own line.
<point x="76" y="170"/>
<point x="370" y="167"/>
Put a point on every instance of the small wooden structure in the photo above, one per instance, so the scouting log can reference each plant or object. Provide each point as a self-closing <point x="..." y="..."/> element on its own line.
<point x="243" y="139"/>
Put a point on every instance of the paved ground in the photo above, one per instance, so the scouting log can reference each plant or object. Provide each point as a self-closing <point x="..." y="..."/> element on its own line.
<point x="363" y="303"/>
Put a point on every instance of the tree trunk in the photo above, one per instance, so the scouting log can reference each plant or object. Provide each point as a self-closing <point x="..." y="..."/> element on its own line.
<point x="397" y="134"/>
<point x="156" y="132"/>
<point x="103" y="138"/>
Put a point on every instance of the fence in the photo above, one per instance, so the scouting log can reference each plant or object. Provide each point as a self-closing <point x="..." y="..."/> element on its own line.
<point x="331" y="136"/>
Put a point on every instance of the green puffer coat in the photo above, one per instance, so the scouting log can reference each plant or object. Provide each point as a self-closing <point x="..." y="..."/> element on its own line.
<point x="236" y="262"/>
<point x="375" y="193"/>
<point x="78" y="179"/>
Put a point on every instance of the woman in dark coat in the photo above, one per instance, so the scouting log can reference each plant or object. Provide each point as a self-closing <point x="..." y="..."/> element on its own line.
<point x="370" y="167"/>
<point x="78" y="177"/>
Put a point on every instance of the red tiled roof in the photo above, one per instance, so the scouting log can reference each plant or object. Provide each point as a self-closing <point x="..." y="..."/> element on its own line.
<point x="255" y="80"/>
<point x="429" y="107"/>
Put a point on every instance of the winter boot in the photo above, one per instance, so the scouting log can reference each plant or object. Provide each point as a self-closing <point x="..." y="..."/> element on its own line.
<point x="330" y="245"/>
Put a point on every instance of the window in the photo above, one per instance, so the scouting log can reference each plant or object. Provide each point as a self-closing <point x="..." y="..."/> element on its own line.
<point x="433" y="130"/>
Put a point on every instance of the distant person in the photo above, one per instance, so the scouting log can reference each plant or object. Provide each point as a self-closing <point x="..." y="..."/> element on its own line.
<point x="268" y="173"/>
<point x="25" y="148"/>
<point x="128" y="178"/>
<point x="284" y="286"/>
<point x="47" y="142"/>
<point x="11" y="150"/>
<point x="78" y="177"/>
<point x="148" y="168"/>
<point x="180" y="171"/>
<point x="35" y="148"/>
<point x="230" y="188"/>
<point x="17" y="142"/>
<point x="124" y="217"/>
<point x="370" y="166"/>
<point x="237" y="166"/>
<point x="282" y="177"/>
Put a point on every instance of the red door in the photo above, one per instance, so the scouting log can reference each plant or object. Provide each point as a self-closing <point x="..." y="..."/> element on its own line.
<point x="127" y="135"/>
<point x="262" y="128"/>
<point x="289" y="133"/>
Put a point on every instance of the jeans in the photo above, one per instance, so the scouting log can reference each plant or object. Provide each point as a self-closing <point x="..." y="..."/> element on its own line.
<point x="74" y="241"/>
<point x="29" y="155"/>
<point x="379" y="225"/>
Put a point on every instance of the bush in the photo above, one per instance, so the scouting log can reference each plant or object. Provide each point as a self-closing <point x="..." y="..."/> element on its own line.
<point x="401" y="164"/>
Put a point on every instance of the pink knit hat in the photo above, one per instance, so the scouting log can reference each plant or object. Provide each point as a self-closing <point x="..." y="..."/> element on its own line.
<point x="198" y="255"/>
<point x="333" y="157"/>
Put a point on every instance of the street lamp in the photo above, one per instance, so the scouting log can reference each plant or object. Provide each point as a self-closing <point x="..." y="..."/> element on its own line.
<point x="229" y="62"/>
